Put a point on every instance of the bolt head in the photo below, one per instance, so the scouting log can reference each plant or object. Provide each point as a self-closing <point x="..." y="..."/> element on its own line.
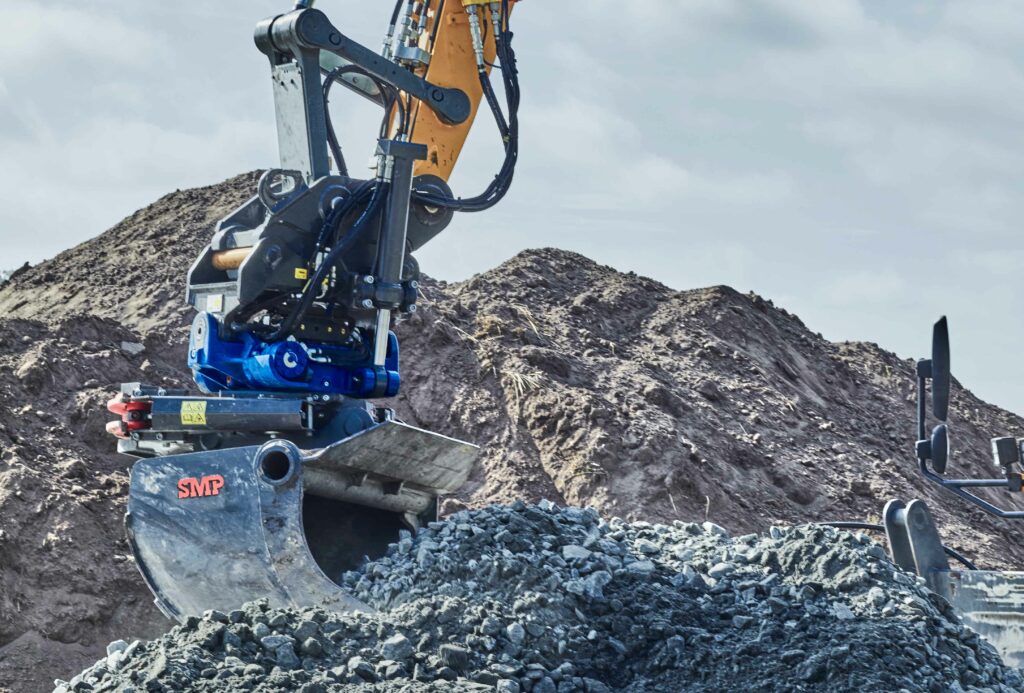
<point x="367" y="303"/>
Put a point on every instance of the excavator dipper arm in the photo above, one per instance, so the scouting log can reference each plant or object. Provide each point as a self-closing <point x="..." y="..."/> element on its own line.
<point x="282" y="474"/>
<point x="313" y="269"/>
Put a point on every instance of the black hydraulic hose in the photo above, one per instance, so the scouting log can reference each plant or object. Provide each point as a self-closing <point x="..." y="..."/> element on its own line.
<point x="329" y="226"/>
<point x="437" y="24"/>
<point x="388" y="95"/>
<point x="332" y="137"/>
<point x="872" y="527"/>
<point x="335" y="216"/>
<point x="309" y="293"/>
<point x="509" y="128"/>
<point x="492" y="101"/>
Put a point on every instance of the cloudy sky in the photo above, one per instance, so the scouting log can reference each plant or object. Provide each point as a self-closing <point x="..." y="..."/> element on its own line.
<point x="860" y="163"/>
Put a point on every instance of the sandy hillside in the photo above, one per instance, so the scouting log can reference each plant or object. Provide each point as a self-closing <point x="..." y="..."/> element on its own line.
<point x="584" y="386"/>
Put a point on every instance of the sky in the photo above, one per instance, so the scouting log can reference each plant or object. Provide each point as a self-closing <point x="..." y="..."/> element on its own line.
<point x="859" y="163"/>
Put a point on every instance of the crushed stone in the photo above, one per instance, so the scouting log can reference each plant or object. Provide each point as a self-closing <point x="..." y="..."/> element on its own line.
<point x="502" y="599"/>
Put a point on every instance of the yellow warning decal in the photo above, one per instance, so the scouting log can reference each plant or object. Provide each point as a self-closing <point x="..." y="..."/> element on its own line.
<point x="301" y="273"/>
<point x="193" y="413"/>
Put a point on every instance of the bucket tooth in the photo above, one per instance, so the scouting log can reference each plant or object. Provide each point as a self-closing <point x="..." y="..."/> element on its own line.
<point x="213" y="530"/>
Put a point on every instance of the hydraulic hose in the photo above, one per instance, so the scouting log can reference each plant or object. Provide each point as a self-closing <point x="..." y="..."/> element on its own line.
<point x="508" y="128"/>
<point x="309" y="292"/>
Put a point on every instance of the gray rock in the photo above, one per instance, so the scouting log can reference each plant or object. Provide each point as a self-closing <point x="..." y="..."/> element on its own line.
<point x="132" y="348"/>
<point x="516" y="633"/>
<point x="595" y="686"/>
<point x="545" y="685"/>
<point x="572" y="552"/>
<point x="117" y="647"/>
<point x="306" y="629"/>
<point x="647" y="547"/>
<point x="271" y="643"/>
<point x="454" y="657"/>
<point x="397" y="647"/>
<point x="720" y="570"/>
<point x="507" y="686"/>
<point x="842" y="611"/>
<point x="495" y="599"/>
<point x="593" y="586"/>
<point x="311" y="647"/>
<point x="362" y="669"/>
<point x="641" y="567"/>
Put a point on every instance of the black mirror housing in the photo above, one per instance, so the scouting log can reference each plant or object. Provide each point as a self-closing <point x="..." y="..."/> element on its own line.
<point x="940" y="374"/>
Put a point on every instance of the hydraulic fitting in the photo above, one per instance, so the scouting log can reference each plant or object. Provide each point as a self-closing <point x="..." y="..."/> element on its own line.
<point x="477" y="33"/>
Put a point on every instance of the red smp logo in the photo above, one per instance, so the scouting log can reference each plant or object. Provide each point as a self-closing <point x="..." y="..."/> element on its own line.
<point x="199" y="488"/>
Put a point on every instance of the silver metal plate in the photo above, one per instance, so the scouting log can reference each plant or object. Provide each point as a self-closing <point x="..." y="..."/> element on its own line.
<point x="394" y="450"/>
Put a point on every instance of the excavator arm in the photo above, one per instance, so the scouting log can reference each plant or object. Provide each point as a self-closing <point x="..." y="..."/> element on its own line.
<point x="282" y="472"/>
<point x="323" y="258"/>
<point x="453" y="44"/>
<point x="440" y="53"/>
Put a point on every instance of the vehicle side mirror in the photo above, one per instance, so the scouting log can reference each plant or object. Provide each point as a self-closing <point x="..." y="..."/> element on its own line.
<point x="940" y="370"/>
<point x="935" y="448"/>
<point x="940" y="448"/>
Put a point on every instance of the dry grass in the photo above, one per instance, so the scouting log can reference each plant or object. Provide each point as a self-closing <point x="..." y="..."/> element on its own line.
<point x="526" y="315"/>
<point x="519" y="384"/>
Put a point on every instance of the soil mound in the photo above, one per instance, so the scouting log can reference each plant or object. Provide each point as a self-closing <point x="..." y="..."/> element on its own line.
<point x="585" y="386"/>
<point x="596" y="388"/>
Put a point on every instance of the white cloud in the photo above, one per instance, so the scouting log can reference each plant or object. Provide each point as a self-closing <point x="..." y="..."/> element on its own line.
<point x="49" y="35"/>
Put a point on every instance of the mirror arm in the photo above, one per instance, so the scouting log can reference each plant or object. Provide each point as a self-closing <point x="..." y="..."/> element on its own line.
<point x="923" y="372"/>
<point x="957" y="486"/>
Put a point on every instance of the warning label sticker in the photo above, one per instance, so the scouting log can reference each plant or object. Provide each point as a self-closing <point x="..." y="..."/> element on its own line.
<point x="193" y="413"/>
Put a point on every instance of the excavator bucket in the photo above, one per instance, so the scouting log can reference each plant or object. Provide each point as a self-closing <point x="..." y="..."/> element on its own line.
<point x="212" y="530"/>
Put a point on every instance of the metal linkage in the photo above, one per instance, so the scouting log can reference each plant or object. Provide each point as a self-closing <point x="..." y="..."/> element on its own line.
<point x="311" y="29"/>
<point x="935" y="448"/>
<point x="957" y="486"/>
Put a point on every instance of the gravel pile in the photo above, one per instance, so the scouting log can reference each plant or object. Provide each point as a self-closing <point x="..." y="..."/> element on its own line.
<point x="555" y="600"/>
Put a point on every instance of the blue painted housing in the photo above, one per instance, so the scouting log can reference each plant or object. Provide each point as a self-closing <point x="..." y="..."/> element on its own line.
<point x="247" y="364"/>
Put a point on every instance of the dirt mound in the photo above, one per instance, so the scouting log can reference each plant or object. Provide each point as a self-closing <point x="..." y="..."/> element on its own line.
<point x="538" y="599"/>
<point x="66" y="580"/>
<point x="135" y="272"/>
<point x="585" y="386"/>
<point x="593" y="387"/>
